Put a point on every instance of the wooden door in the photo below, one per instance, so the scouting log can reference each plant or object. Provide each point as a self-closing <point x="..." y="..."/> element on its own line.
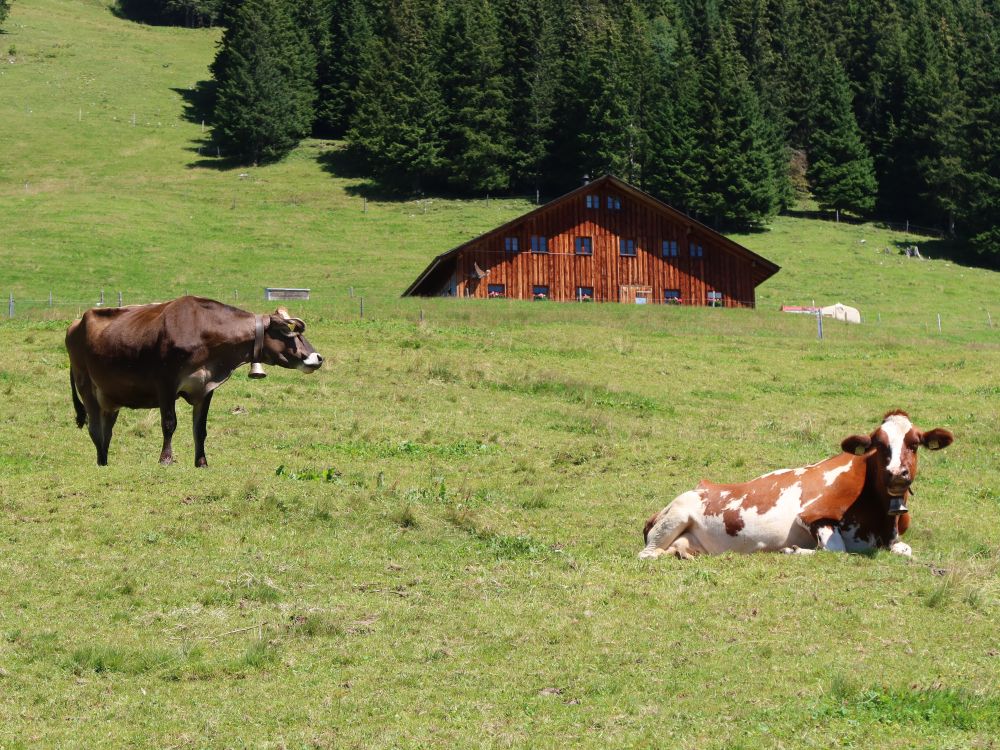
<point x="636" y="294"/>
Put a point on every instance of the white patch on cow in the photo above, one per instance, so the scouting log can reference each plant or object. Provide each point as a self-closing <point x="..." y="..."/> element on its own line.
<point x="831" y="476"/>
<point x="829" y="539"/>
<point x="791" y="495"/>
<point x="800" y="472"/>
<point x="775" y="473"/>
<point x="313" y="360"/>
<point x="896" y="428"/>
<point x="774" y="529"/>
<point x="901" y="548"/>
<point x="724" y="494"/>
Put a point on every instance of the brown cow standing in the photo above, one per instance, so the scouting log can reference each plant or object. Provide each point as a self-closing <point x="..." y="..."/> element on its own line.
<point x="146" y="356"/>
<point x="853" y="502"/>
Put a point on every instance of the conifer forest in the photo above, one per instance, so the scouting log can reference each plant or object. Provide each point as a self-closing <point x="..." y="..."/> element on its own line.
<point x="725" y="109"/>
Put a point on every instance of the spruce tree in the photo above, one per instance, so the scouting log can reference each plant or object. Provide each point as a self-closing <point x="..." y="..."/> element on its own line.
<point x="840" y="170"/>
<point x="672" y="169"/>
<point x="312" y="18"/>
<point x="477" y="131"/>
<point x="740" y="187"/>
<point x="611" y="135"/>
<point x="531" y="67"/>
<point x="351" y="50"/>
<point x="979" y="216"/>
<point x="4" y="10"/>
<point x="396" y="128"/>
<point x="265" y="84"/>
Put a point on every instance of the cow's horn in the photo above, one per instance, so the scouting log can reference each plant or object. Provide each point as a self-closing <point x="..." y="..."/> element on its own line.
<point x="294" y="323"/>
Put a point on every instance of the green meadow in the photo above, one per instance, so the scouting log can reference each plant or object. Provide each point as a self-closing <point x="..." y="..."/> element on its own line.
<point x="432" y="541"/>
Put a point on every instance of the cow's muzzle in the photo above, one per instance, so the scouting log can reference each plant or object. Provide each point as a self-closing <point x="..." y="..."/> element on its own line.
<point x="313" y="362"/>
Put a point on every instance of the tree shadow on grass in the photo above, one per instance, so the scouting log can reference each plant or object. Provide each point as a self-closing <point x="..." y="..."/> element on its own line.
<point x="946" y="249"/>
<point x="799" y="213"/>
<point x="198" y="101"/>
<point x="344" y="162"/>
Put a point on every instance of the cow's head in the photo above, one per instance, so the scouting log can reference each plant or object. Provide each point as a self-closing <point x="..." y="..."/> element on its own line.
<point x="284" y="344"/>
<point x="892" y="451"/>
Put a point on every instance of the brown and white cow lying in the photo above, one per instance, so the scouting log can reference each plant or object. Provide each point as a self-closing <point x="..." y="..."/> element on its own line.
<point x="853" y="502"/>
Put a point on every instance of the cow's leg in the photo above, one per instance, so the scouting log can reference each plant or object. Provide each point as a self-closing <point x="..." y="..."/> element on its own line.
<point x="827" y="538"/>
<point x="108" y="419"/>
<point x="200" y="420"/>
<point x="95" y="427"/>
<point x="672" y="522"/>
<point x="682" y="548"/>
<point x="168" y="423"/>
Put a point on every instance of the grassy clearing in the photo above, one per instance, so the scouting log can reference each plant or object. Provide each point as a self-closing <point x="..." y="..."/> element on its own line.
<point x="432" y="541"/>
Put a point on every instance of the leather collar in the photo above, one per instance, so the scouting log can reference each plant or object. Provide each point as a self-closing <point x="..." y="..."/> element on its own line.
<point x="258" y="338"/>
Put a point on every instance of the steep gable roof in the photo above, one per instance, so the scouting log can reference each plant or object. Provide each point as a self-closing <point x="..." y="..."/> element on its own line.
<point x="763" y="268"/>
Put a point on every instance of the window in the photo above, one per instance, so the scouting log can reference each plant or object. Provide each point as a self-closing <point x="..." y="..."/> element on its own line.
<point x="669" y="248"/>
<point x="584" y="246"/>
<point x="539" y="244"/>
<point x="627" y="247"/>
<point x="715" y="299"/>
<point x="539" y="293"/>
<point x="494" y="291"/>
<point x="585" y="294"/>
<point x="511" y="245"/>
<point x="593" y="201"/>
<point x="696" y="250"/>
<point x="614" y="203"/>
<point x="671" y="296"/>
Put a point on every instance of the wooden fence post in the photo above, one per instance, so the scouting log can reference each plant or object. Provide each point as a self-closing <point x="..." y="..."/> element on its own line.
<point x="819" y="324"/>
<point x="362" y="307"/>
<point x="10" y="306"/>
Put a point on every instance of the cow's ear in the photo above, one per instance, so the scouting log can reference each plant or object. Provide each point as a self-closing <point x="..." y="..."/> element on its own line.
<point x="856" y="444"/>
<point x="937" y="439"/>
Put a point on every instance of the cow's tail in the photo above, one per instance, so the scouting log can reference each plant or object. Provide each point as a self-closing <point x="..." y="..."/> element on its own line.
<point x="81" y="412"/>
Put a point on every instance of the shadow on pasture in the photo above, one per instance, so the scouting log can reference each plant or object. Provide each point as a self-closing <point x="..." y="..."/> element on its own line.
<point x="345" y="163"/>
<point x="198" y="101"/>
<point x="802" y="213"/>
<point x="946" y="249"/>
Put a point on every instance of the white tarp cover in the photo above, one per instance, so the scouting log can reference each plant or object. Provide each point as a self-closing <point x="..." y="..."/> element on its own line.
<point x="841" y="312"/>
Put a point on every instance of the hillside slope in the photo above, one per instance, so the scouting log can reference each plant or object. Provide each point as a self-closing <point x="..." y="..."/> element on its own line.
<point x="102" y="175"/>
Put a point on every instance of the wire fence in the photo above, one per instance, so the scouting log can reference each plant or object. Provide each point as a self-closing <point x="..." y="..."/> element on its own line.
<point x="355" y="303"/>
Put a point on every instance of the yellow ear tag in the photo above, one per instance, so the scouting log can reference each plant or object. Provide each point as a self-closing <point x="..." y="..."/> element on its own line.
<point x="859" y="451"/>
<point x="933" y="445"/>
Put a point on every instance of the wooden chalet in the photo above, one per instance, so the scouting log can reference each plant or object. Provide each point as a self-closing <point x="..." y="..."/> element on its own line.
<point x="606" y="241"/>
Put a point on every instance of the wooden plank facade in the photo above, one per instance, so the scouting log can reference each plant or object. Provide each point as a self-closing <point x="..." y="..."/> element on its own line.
<point x="606" y="241"/>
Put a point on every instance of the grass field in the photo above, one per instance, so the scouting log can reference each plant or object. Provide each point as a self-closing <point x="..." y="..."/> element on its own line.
<point x="432" y="542"/>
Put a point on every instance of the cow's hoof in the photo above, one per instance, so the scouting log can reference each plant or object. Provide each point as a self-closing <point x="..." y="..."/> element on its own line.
<point x="166" y="460"/>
